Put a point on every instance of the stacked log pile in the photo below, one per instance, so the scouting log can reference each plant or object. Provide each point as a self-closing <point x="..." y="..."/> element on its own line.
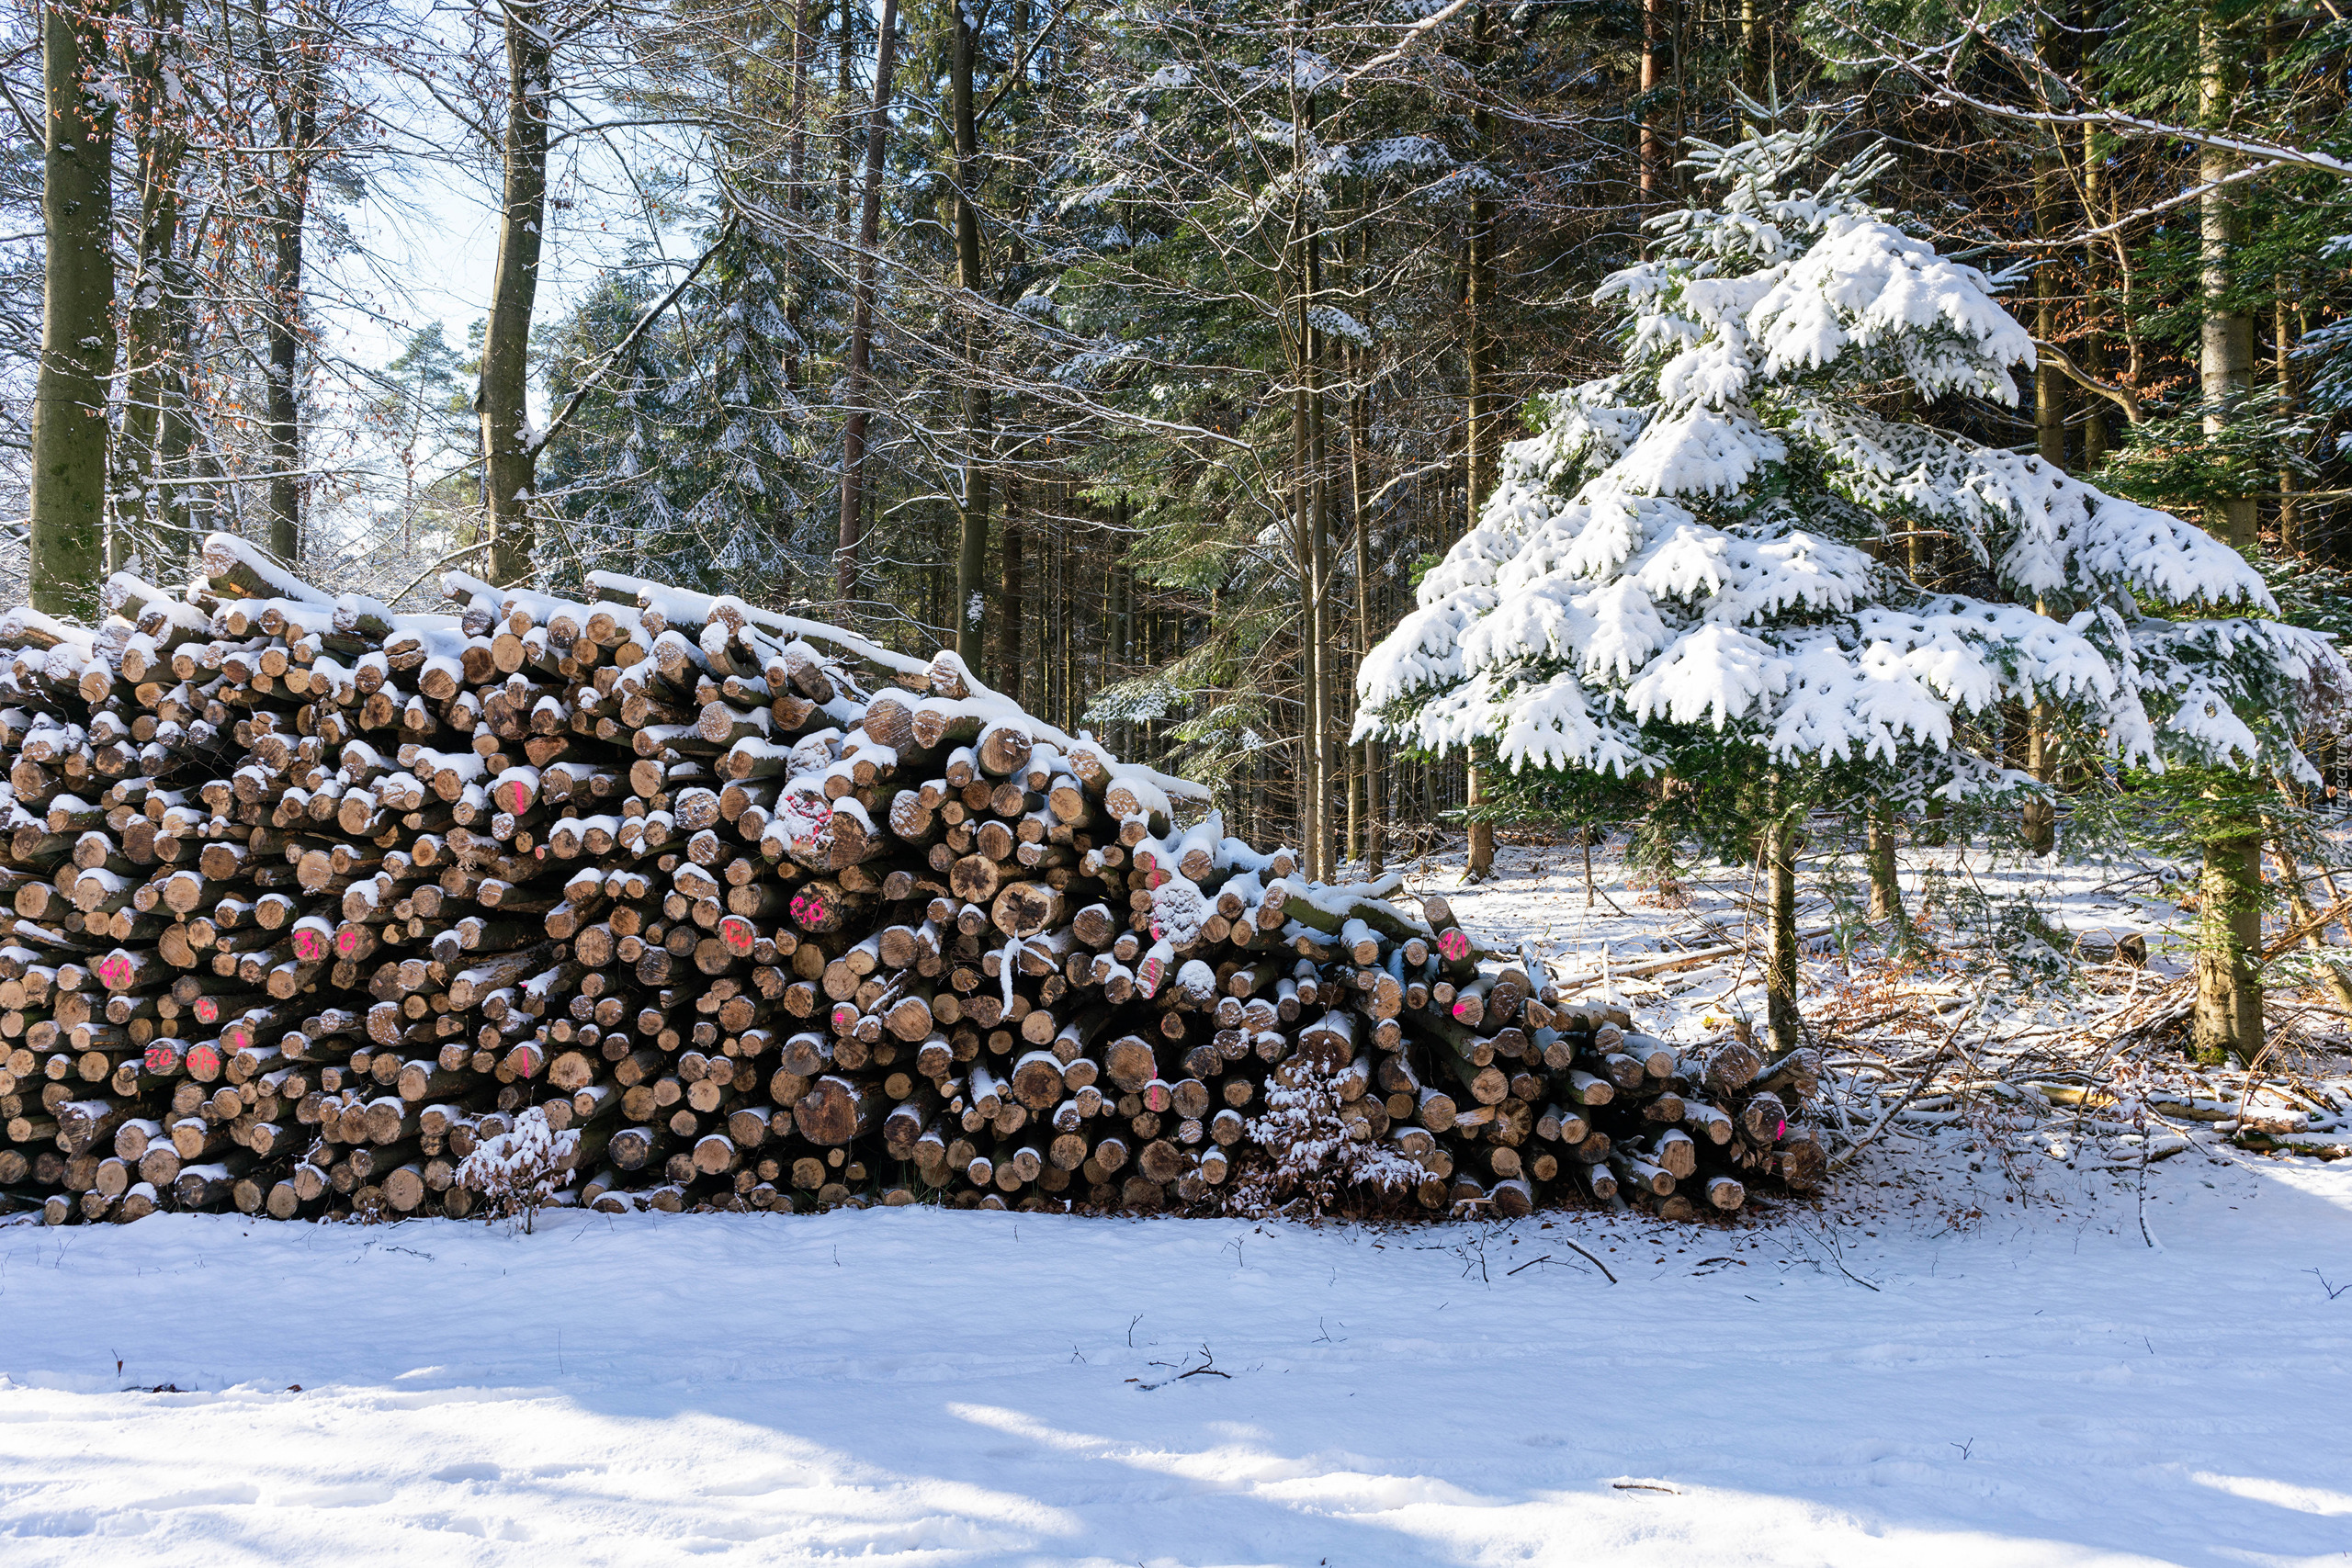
<point x="307" y="899"/>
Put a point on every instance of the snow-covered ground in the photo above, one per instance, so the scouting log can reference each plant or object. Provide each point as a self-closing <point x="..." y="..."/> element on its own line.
<point x="1623" y="931"/>
<point x="1898" y="1381"/>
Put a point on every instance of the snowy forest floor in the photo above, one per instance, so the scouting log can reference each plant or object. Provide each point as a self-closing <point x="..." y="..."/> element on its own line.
<point x="2006" y="1334"/>
<point x="1933" y="1369"/>
<point x="1968" y="906"/>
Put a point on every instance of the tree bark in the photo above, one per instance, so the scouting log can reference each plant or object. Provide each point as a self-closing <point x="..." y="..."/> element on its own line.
<point x="157" y="289"/>
<point x="2040" y="816"/>
<point x="1482" y="832"/>
<point x="971" y="555"/>
<point x="1326" y="758"/>
<point x="1374" y="846"/>
<point x="1653" y="152"/>
<point x="849" y="545"/>
<point x="1780" y="898"/>
<point x="1886" y="889"/>
<point x="509" y="455"/>
<point x="77" y="336"/>
<point x="2049" y="381"/>
<point x="2225" y="346"/>
<point x="296" y="73"/>
<point x="1015" y="593"/>
<point x="1755" y="43"/>
<point x="2227" y="1020"/>
<point x="796" y="194"/>
<point x="2282" y="331"/>
<point x="1479" y="460"/>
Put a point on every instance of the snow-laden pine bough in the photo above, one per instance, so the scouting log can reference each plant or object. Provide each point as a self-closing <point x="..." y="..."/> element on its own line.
<point x="312" y="900"/>
<point x="1728" y="564"/>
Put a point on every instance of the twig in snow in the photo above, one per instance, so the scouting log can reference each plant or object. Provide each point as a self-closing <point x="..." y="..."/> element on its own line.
<point x="1596" y="1262"/>
<point x="2332" y="1291"/>
<point x="1837" y="1256"/>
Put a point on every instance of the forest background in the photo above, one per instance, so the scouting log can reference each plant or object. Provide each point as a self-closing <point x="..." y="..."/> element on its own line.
<point x="1147" y="355"/>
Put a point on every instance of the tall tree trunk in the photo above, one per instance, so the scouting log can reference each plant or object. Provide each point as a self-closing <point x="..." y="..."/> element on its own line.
<point x="848" y="143"/>
<point x="2049" y="381"/>
<point x="2225" y="347"/>
<point x="795" y="196"/>
<point x="1375" y="837"/>
<point x="1011" y="600"/>
<point x="2282" y="337"/>
<point x="2282" y="331"/>
<point x="509" y="452"/>
<point x="160" y="148"/>
<point x="1781" y="903"/>
<point x="1755" y="40"/>
<point x="78" y="333"/>
<point x="2040" y="816"/>
<point x="971" y="556"/>
<point x="1479" y="463"/>
<point x="1780" y="900"/>
<point x="2227" y="1019"/>
<point x="297" y="71"/>
<point x="861" y="332"/>
<point x="1324" y="618"/>
<point x="2228" y="1014"/>
<point x="1886" y="888"/>
<point x="1653" y="152"/>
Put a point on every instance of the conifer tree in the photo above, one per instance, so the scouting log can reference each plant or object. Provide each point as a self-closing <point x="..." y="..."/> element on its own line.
<point x="1692" y="567"/>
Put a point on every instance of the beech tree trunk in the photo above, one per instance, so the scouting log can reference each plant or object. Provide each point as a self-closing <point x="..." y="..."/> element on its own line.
<point x="850" y="544"/>
<point x="509" y="454"/>
<point x="77" y="331"/>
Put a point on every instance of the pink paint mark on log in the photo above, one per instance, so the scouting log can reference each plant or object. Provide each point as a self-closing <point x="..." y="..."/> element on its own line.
<point x="738" y="934"/>
<point x="1156" y="1097"/>
<point x="208" y="1009"/>
<point x="161" y="1058"/>
<point x="204" y="1060"/>
<point x="115" y="971"/>
<point x="1454" y="945"/>
<point x="309" y="947"/>
<point x="347" y="941"/>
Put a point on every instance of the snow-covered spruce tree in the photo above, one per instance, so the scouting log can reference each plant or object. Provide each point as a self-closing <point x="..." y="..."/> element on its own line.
<point x="1692" y="568"/>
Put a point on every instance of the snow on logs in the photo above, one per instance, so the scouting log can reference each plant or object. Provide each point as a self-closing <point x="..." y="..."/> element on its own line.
<point x="307" y="899"/>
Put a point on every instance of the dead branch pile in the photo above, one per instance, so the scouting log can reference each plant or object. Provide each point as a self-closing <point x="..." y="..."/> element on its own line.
<point x="311" y="900"/>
